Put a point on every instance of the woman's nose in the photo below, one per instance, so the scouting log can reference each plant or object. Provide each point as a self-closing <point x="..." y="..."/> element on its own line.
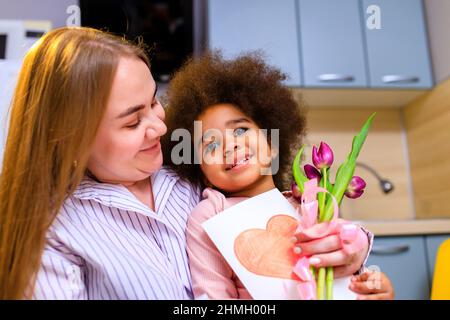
<point x="156" y="128"/>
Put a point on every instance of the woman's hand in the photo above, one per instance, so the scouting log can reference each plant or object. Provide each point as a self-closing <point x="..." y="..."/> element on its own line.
<point x="329" y="251"/>
<point x="372" y="285"/>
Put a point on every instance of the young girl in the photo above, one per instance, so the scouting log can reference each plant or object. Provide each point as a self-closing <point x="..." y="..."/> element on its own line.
<point x="233" y="101"/>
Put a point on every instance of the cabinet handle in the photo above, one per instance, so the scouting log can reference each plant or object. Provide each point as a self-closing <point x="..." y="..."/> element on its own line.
<point x="335" y="77"/>
<point x="396" y="78"/>
<point x="383" y="250"/>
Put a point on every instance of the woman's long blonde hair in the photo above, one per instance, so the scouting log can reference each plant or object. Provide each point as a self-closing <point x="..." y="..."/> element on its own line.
<point x="59" y="101"/>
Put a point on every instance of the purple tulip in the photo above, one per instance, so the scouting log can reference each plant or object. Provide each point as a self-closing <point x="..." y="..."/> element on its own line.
<point x="296" y="191"/>
<point x="355" y="188"/>
<point x="322" y="158"/>
<point x="312" y="173"/>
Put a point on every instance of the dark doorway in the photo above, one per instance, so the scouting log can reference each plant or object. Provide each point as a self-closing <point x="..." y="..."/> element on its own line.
<point x="164" y="25"/>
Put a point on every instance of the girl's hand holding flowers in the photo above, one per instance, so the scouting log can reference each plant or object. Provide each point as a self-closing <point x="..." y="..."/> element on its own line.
<point x="329" y="252"/>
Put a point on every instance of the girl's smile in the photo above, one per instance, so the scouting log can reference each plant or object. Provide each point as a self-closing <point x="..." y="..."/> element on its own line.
<point x="239" y="163"/>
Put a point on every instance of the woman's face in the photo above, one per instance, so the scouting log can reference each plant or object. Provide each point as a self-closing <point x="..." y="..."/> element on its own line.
<point x="127" y="147"/>
<point x="235" y="153"/>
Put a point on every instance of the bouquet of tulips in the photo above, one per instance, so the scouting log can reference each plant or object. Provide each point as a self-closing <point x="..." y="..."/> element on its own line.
<point x="344" y="184"/>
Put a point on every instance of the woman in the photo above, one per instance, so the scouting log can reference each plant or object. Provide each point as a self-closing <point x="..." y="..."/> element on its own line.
<point x="86" y="212"/>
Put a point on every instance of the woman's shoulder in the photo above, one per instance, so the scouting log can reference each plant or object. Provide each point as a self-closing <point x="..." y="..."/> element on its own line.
<point x="189" y="188"/>
<point x="70" y="212"/>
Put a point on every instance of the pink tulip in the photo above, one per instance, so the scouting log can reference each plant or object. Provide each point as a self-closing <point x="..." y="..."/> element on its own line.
<point x="355" y="188"/>
<point x="312" y="173"/>
<point x="322" y="158"/>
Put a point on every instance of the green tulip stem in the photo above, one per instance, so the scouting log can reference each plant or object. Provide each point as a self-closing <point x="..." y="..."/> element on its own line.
<point x="325" y="280"/>
<point x="322" y="205"/>
<point x="313" y="272"/>
<point x="329" y="283"/>
<point x="321" y="284"/>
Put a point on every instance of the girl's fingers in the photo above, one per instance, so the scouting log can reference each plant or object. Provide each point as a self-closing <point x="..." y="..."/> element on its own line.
<point x="361" y="277"/>
<point x="332" y="259"/>
<point x="344" y="270"/>
<point x="360" y="287"/>
<point x="325" y="245"/>
<point x="373" y="285"/>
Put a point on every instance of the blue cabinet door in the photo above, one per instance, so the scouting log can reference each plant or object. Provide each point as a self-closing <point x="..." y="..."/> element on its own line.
<point x="332" y="43"/>
<point x="397" y="52"/>
<point x="433" y="242"/>
<point x="403" y="259"/>
<point x="236" y="26"/>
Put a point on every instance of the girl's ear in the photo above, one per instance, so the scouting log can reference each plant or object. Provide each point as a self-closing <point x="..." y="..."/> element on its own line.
<point x="273" y="152"/>
<point x="275" y="161"/>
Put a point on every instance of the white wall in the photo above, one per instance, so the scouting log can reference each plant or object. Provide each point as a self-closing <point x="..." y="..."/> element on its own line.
<point x="438" y="21"/>
<point x="53" y="10"/>
<point x="9" y="70"/>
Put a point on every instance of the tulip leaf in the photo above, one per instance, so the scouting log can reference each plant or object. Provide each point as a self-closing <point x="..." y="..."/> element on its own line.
<point x="346" y="169"/>
<point x="320" y="199"/>
<point x="297" y="172"/>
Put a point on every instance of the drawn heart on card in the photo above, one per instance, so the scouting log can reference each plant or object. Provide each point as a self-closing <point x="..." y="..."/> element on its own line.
<point x="269" y="252"/>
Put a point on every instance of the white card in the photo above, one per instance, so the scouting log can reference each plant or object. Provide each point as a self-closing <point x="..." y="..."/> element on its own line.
<point x="254" y="238"/>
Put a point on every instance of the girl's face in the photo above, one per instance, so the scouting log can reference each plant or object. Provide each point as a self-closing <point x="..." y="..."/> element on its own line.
<point x="127" y="147"/>
<point x="236" y="157"/>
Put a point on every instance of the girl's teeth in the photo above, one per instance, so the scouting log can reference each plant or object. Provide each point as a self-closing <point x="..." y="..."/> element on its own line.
<point x="241" y="161"/>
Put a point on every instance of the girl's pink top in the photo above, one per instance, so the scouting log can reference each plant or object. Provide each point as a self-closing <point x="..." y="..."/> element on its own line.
<point x="211" y="274"/>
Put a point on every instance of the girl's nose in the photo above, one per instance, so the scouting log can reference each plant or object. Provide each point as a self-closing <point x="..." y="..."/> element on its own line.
<point x="231" y="147"/>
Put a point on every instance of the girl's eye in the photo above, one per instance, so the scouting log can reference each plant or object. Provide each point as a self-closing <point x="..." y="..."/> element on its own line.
<point x="135" y="125"/>
<point x="239" y="131"/>
<point x="211" y="146"/>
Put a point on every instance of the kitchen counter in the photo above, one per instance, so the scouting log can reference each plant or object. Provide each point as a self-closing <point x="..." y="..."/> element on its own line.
<point x="408" y="227"/>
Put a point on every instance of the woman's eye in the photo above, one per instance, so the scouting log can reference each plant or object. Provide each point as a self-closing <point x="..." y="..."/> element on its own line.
<point x="239" y="131"/>
<point x="134" y="125"/>
<point x="211" y="147"/>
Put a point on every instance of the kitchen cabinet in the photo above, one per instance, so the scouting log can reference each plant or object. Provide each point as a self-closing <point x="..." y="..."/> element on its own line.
<point x="403" y="260"/>
<point x="332" y="43"/>
<point x="329" y="43"/>
<point x="409" y="262"/>
<point x="397" y="53"/>
<point x="236" y="26"/>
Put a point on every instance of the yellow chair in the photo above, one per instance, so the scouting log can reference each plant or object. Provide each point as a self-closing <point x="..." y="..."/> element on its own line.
<point x="441" y="278"/>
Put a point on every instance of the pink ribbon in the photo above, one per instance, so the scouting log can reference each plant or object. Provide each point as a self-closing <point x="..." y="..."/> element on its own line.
<point x="307" y="285"/>
<point x="348" y="235"/>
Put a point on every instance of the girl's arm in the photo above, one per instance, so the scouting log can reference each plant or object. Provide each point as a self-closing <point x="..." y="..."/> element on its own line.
<point x="210" y="272"/>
